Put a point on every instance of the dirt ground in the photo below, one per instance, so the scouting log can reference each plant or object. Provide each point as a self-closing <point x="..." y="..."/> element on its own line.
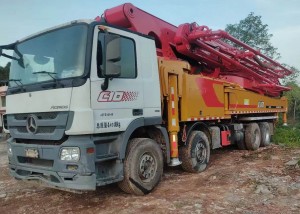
<point x="264" y="181"/>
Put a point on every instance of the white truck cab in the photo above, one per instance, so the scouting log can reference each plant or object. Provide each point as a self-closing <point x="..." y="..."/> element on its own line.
<point x="77" y="94"/>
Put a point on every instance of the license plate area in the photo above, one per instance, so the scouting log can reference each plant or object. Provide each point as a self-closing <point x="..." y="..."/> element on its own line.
<point x="31" y="153"/>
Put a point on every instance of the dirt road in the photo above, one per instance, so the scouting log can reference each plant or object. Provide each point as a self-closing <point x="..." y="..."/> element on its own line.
<point x="265" y="181"/>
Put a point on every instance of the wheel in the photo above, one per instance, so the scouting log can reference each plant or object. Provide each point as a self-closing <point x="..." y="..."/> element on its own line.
<point x="252" y="136"/>
<point x="195" y="155"/>
<point x="240" y="142"/>
<point x="143" y="166"/>
<point x="265" y="134"/>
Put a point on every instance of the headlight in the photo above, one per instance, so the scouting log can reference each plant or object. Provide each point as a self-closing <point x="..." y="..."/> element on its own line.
<point x="70" y="154"/>
<point x="9" y="150"/>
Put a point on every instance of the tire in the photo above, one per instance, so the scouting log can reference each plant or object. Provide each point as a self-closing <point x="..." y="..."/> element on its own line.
<point x="241" y="145"/>
<point x="252" y="136"/>
<point x="265" y="134"/>
<point x="195" y="155"/>
<point x="240" y="142"/>
<point x="143" y="167"/>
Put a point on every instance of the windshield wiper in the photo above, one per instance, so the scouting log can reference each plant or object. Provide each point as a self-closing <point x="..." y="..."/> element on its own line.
<point x="18" y="83"/>
<point x="46" y="72"/>
<point x="50" y="75"/>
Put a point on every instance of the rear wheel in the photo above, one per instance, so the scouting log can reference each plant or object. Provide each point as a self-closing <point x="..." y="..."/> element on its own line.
<point x="195" y="155"/>
<point x="143" y="166"/>
<point x="252" y="136"/>
<point x="241" y="144"/>
<point x="265" y="134"/>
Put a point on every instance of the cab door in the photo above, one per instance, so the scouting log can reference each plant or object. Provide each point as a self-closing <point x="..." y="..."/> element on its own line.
<point x="121" y="102"/>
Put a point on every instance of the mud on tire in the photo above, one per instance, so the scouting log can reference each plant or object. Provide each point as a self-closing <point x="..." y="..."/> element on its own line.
<point x="265" y="134"/>
<point x="252" y="136"/>
<point x="143" y="166"/>
<point x="241" y="144"/>
<point x="195" y="155"/>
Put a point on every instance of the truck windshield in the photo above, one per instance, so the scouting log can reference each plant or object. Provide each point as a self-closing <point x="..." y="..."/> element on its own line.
<point x="50" y="56"/>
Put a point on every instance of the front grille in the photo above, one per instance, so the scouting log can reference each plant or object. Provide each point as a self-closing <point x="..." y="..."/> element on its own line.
<point x="45" y="129"/>
<point x="22" y="129"/>
<point x="35" y="161"/>
<point x="41" y="116"/>
<point x="42" y="142"/>
<point x="42" y="125"/>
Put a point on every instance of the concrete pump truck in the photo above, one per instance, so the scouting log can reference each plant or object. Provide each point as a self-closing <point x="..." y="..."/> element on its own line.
<point x="113" y="99"/>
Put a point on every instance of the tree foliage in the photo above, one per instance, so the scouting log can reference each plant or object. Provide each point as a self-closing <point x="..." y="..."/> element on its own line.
<point x="253" y="32"/>
<point x="293" y="77"/>
<point x="293" y="97"/>
<point x="4" y="73"/>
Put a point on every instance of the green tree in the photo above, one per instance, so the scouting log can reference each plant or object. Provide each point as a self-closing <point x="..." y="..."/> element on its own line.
<point x="253" y="32"/>
<point x="4" y="73"/>
<point x="293" y="77"/>
<point x="293" y="97"/>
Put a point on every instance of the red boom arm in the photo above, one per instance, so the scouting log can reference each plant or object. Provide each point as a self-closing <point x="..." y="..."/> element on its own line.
<point x="207" y="51"/>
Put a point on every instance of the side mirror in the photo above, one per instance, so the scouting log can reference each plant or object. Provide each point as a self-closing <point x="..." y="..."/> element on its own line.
<point x="112" y="44"/>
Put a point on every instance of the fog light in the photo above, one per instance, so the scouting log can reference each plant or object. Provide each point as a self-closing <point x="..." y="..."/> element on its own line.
<point x="9" y="150"/>
<point x="70" y="154"/>
<point x="72" y="167"/>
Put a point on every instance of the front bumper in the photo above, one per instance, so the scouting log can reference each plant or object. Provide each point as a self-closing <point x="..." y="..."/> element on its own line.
<point x="48" y="167"/>
<point x="55" y="179"/>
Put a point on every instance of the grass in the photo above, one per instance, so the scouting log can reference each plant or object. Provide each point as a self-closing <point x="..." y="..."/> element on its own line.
<point x="287" y="135"/>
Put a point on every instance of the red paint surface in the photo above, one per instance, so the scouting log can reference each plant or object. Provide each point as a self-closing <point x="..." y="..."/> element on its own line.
<point x="174" y="149"/>
<point x="172" y="97"/>
<point x="249" y="68"/>
<point x="224" y="137"/>
<point x="207" y="91"/>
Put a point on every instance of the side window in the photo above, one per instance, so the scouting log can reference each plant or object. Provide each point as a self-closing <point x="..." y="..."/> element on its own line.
<point x="128" y="57"/>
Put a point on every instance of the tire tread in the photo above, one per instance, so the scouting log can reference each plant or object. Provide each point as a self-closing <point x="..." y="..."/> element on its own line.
<point x="185" y="152"/>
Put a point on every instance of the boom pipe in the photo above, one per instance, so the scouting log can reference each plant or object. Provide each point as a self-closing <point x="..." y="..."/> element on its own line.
<point x="208" y="34"/>
<point x="222" y="34"/>
<point x="245" y="58"/>
<point x="229" y="60"/>
<point x="186" y="36"/>
<point x="204" y="49"/>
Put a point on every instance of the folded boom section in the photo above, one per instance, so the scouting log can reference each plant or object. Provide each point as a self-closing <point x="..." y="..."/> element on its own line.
<point x="213" y="53"/>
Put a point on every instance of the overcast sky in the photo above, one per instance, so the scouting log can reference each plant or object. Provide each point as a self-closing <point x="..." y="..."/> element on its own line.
<point x="20" y="18"/>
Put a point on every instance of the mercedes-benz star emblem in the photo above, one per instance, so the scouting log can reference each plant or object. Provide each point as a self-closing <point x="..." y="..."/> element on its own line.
<point x="31" y="124"/>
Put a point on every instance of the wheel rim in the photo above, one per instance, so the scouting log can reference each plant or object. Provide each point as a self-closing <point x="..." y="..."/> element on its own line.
<point x="147" y="168"/>
<point x="200" y="152"/>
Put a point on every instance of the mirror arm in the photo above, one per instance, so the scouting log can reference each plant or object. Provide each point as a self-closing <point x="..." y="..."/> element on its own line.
<point x="104" y="85"/>
<point x="10" y="57"/>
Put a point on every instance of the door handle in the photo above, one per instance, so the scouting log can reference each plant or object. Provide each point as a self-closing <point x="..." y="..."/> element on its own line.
<point x="137" y="112"/>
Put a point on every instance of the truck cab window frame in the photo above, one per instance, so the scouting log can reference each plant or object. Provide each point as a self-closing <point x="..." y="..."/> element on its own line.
<point x="43" y="55"/>
<point x="128" y="60"/>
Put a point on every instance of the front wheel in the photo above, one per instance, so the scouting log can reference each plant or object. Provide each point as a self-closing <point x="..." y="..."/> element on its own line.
<point x="195" y="155"/>
<point x="143" y="166"/>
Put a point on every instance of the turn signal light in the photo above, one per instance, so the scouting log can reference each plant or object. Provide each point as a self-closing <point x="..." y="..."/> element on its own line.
<point x="90" y="150"/>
